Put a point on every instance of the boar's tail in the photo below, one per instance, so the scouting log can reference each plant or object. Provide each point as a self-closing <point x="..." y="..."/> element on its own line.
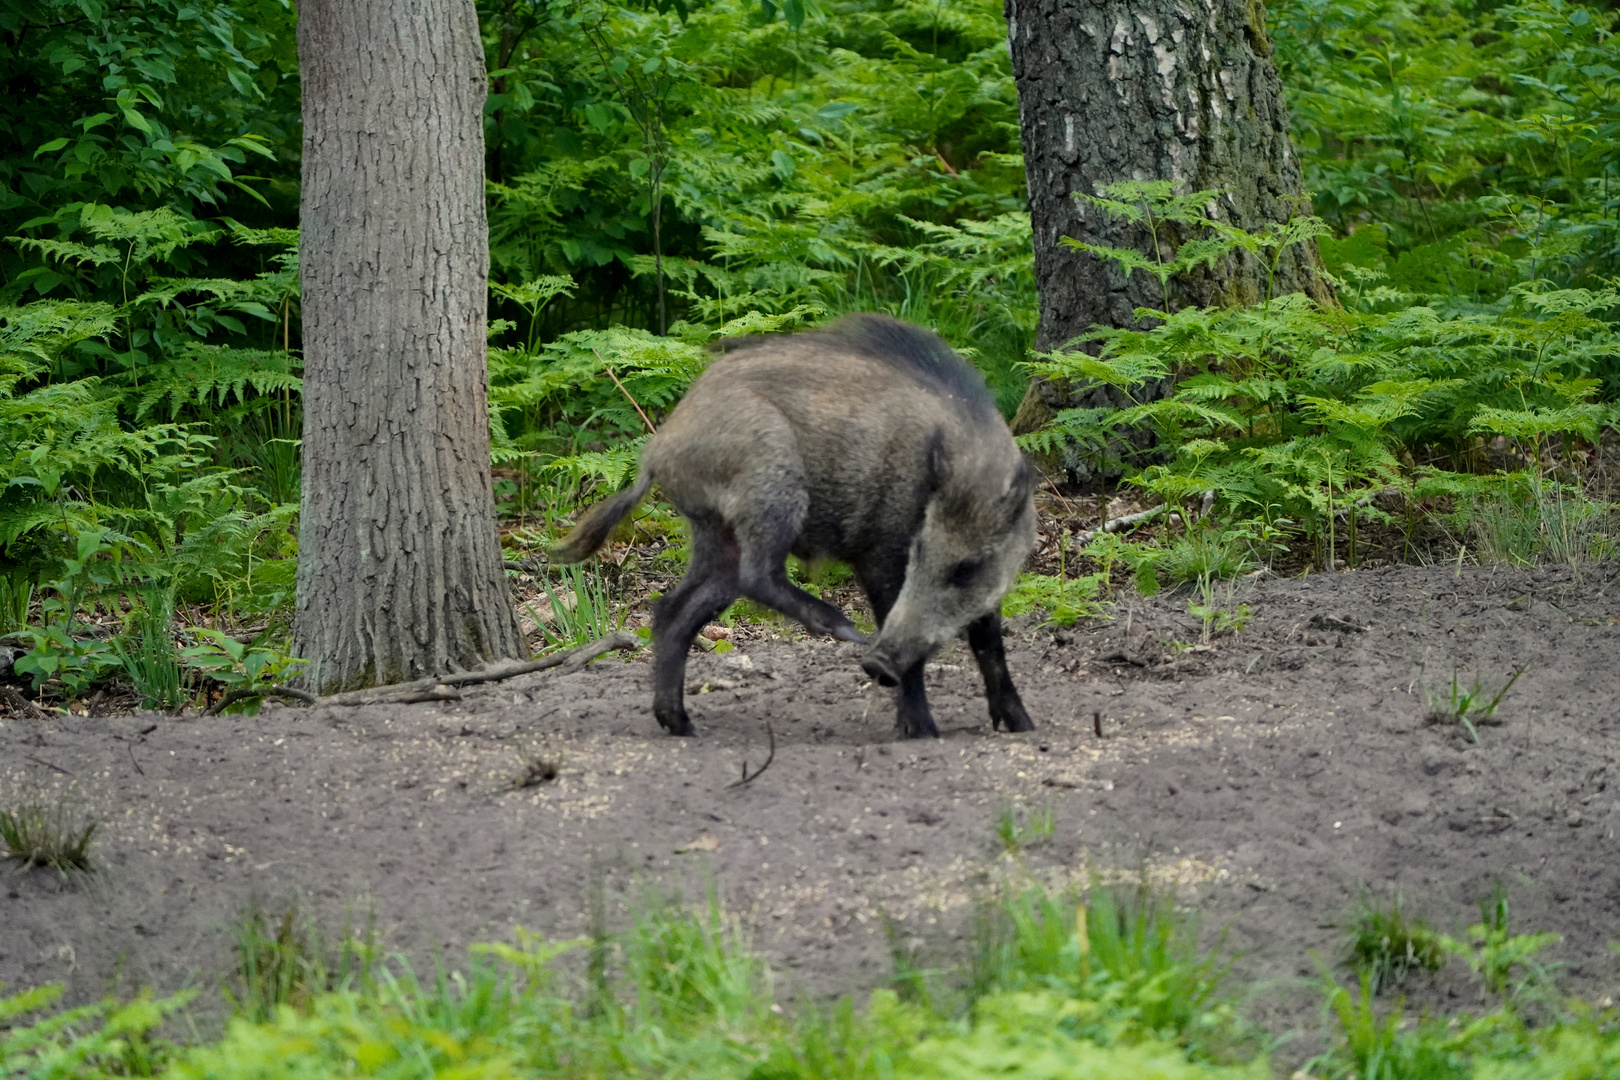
<point x="593" y="529"/>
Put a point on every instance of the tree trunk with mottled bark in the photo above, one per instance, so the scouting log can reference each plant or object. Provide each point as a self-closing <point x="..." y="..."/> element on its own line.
<point x="399" y="568"/>
<point x="1178" y="90"/>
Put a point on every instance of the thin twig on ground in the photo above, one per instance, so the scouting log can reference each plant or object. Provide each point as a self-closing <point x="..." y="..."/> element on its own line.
<point x="770" y="757"/>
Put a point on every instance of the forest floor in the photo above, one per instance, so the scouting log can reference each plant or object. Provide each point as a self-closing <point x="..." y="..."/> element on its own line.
<point x="1273" y="779"/>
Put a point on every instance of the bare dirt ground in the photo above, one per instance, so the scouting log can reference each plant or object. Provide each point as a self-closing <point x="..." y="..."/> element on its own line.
<point x="1271" y="779"/>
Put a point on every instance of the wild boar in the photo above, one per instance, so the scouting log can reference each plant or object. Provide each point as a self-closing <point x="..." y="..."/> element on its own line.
<point x="872" y="442"/>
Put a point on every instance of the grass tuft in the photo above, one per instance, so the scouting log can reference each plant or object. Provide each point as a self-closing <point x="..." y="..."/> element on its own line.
<point x="148" y="655"/>
<point x="57" y="837"/>
<point x="1385" y="944"/>
<point x="1202" y="557"/>
<point x="580" y="609"/>
<point x="282" y="959"/>
<point x="1544" y="523"/>
<point x="16" y="596"/>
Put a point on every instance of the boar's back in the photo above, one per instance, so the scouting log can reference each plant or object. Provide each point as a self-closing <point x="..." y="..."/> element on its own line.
<point x="861" y="417"/>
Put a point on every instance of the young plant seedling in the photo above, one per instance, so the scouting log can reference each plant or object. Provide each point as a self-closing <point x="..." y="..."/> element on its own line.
<point x="1217" y="620"/>
<point x="1467" y="705"/>
<point x="1495" y="953"/>
<point x="1023" y="829"/>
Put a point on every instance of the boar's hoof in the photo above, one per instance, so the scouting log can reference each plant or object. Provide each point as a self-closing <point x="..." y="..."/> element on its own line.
<point x="880" y="670"/>
<point x="847" y="632"/>
<point x="676" y="723"/>
<point x="1011" y="717"/>
<point x="917" y="726"/>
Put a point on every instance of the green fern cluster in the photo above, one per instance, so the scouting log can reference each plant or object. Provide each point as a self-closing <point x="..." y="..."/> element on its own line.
<point x="865" y="158"/>
<point x="1293" y="410"/>
<point x="124" y="425"/>
<point x="1465" y="146"/>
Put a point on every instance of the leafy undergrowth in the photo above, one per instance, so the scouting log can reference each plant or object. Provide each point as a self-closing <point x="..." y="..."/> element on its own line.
<point x="805" y="160"/>
<point x="1110" y="986"/>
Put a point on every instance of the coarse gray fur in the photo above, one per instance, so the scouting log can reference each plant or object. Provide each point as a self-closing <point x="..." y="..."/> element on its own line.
<point x="871" y="442"/>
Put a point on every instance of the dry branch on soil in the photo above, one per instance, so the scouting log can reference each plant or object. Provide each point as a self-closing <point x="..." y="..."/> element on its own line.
<point x="443" y="687"/>
<point x="1116" y="524"/>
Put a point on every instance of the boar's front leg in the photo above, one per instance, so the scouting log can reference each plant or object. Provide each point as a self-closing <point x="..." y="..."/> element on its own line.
<point x="881" y="580"/>
<point x="1006" y="708"/>
<point x="915" y="720"/>
<point x="709" y="586"/>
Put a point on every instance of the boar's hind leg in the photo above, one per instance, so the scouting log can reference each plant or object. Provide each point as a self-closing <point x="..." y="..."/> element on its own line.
<point x="763" y="572"/>
<point x="1006" y="709"/>
<point x="709" y="585"/>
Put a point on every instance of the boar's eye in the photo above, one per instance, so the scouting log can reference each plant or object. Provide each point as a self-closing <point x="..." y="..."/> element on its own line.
<point x="964" y="572"/>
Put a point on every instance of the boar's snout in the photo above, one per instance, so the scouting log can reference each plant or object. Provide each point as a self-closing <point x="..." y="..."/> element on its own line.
<point x="880" y="668"/>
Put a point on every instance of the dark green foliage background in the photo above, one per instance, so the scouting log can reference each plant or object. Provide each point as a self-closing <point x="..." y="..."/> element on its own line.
<point x="803" y="160"/>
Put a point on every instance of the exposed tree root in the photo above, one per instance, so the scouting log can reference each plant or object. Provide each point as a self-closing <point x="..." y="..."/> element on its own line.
<point x="22" y="705"/>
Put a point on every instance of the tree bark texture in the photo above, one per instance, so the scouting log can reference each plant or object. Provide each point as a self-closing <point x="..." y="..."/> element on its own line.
<point x="1179" y="90"/>
<point x="400" y="570"/>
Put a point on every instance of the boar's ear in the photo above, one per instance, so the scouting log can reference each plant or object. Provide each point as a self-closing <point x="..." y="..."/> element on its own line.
<point x="934" y="460"/>
<point x="1026" y="478"/>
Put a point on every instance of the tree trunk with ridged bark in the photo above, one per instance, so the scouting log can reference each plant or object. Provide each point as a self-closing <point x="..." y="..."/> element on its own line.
<point x="400" y="569"/>
<point x="1178" y="90"/>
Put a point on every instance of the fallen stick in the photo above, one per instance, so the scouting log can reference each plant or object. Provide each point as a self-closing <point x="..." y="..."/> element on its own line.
<point x="1116" y="524"/>
<point x="443" y="687"/>
<point x="571" y="661"/>
<point x="399" y="694"/>
<point x="242" y="694"/>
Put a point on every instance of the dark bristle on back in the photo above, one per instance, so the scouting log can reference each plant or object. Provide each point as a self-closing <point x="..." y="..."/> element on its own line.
<point x="918" y="352"/>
